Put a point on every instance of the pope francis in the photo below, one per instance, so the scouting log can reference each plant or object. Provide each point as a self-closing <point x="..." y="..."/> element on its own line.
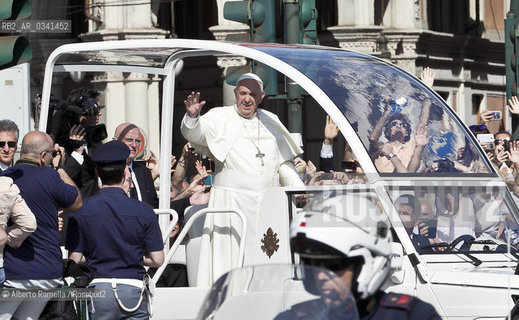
<point x="253" y="151"/>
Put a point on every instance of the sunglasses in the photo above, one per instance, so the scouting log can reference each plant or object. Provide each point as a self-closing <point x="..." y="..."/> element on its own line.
<point x="477" y="126"/>
<point x="10" y="144"/>
<point x="499" y="141"/>
<point x="333" y="264"/>
<point x="397" y="124"/>
<point x="53" y="152"/>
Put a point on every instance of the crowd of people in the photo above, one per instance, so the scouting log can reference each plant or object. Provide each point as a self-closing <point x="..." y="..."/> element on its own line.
<point x="97" y="195"/>
<point x="102" y="195"/>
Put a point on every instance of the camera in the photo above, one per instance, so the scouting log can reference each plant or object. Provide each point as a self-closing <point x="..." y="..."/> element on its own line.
<point x="487" y="140"/>
<point x="445" y="166"/>
<point x="65" y="115"/>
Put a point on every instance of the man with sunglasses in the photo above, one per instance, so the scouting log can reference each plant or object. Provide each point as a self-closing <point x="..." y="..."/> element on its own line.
<point x="501" y="159"/>
<point x="36" y="264"/>
<point x="400" y="153"/>
<point x="357" y="251"/>
<point x="8" y="143"/>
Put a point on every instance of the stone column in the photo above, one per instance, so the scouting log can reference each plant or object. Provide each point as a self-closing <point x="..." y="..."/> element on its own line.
<point x="355" y="12"/>
<point x="402" y="14"/>
<point x="113" y="100"/>
<point x="133" y="98"/>
<point x="136" y="99"/>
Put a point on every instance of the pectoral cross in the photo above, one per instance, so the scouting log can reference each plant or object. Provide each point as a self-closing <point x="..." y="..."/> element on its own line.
<point x="260" y="156"/>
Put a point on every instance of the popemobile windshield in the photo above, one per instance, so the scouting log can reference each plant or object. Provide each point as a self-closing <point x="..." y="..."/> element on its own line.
<point x="453" y="219"/>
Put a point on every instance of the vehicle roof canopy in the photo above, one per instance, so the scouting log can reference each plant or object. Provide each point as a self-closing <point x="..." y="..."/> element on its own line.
<point x="354" y="89"/>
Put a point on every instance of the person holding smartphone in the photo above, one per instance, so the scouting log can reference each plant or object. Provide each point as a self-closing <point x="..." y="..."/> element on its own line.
<point x="409" y="209"/>
<point x="502" y="156"/>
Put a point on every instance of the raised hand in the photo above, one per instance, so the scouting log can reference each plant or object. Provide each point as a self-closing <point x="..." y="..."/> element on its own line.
<point x="153" y="164"/>
<point x="193" y="104"/>
<point x="300" y="165"/>
<point x="77" y="134"/>
<point x="513" y="105"/>
<point x="427" y="76"/>
<point x="58" y="160"/>
<point x="514" y="151"/>
<point x="487" y="115"/>
<point x="330" y="130"/>
<point x="202" y="171"/>
<point x="200" y="196"/>
<point x="502" y="156"/>
<point x="421" y="137"/>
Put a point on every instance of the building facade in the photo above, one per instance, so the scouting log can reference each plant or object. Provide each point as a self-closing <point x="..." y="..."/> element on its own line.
<point x="462" y="41"/>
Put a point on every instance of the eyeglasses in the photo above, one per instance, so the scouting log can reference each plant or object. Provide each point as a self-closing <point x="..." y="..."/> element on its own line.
<point x="477" y="126"/>
<point x="10" y="144"/>
<point x="52" y="152"/>
<point x="397" y="124"/>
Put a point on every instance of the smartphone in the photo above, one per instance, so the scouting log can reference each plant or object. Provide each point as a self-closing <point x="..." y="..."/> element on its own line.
<point x="506" y="145"/>
<point x="349" y="166"/>
<point x="209" y="180"/>
<point x="432" y="224"/>
<point x="487" y="140"/>
<point x="496" y="115"/>
<point x="326" y="176"/>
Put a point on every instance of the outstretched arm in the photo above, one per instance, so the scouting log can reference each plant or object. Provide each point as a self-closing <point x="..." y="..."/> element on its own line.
<point x="180" y="170"/>
<point x="377" y="131"/>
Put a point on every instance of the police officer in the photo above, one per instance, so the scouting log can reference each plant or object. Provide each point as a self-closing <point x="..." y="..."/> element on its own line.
<point x="347" y="235"/>
<point x="117" y="236"/>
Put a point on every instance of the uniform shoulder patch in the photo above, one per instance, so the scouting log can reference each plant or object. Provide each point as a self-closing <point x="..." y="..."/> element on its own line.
<point x="396" y="300"/>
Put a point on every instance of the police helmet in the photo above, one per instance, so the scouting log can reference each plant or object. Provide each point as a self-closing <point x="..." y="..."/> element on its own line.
<point x="343" y="229"/>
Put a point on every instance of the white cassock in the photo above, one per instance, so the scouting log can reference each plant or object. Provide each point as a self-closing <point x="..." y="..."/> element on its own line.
<point x="240" y="178"/>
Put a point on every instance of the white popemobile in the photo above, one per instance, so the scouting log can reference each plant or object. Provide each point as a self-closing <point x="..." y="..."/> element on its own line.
<point x="465" y="261"/>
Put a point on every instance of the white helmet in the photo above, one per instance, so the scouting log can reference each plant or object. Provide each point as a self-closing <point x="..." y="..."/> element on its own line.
<point x="344" y="229"/>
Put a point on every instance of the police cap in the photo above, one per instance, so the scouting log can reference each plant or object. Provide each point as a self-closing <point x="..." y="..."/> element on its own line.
<point x="113" y="152"/>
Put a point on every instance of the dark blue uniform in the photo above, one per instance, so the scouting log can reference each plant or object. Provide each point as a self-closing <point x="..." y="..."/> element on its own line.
<point x="393" y="306"/>
<point x="39" y="256"/>
<point x="113" y="232"/>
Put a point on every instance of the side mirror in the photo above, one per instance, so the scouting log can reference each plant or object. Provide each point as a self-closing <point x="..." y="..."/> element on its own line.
<point x="396" y="272"/>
